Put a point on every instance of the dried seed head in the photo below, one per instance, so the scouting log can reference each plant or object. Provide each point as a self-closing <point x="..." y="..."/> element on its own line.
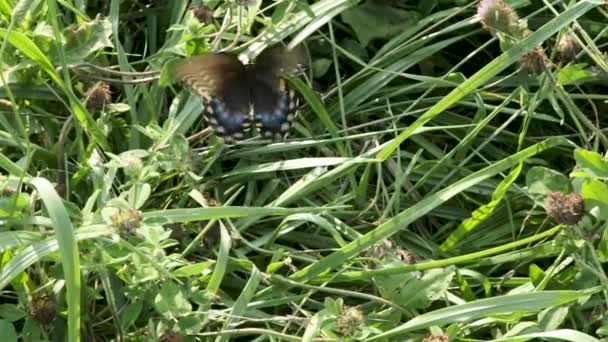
<point x="211" y="201"/>
<point x="406" y="256"/>
<point x="126" y="219"/>
<point x="385" y="252"/>
<point x="497" y="15"/>
<point x="171" y="336"/>
<point x="98" y="96"/>
<point x="379" y="250"/>
<point x="568" y="48"/>
<point x="534" y="62"/>
<point x="204" y="14"/>
<point x="440" y="338"/>
<point x="5" y="188"/>
<point x="565" y="208"/>
<point x="350" y="321"/>
<point x="43" y="309"/>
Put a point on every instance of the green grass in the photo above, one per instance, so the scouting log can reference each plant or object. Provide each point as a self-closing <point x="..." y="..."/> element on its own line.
<point x="414" y="200"/>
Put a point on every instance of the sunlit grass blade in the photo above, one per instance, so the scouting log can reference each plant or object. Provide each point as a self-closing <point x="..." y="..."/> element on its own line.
<point x="35" y="249"/>
<point x="240" y="306"/>
<point x="70" y="259"/>
<point x="492" y="69"/>
<point x="409" y="215"/>
<point x="199" y="214"/>
<point x="482" y="213"/>
<point x="320" y="12"/>
<point x="525" y="303"/>
<point x="219" y="269"/>
<point x="560" y="335"/>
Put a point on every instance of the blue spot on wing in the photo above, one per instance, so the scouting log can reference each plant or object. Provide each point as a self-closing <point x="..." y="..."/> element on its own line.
<point x="229" y="120"/>
<point x="231" y="89"/>
<point x="273" y="109"/>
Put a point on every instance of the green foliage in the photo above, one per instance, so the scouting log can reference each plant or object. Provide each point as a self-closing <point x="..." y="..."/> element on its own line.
<point x="377" y="20"/>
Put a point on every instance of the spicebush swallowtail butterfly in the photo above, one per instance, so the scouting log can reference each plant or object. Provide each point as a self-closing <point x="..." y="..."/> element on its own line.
<point x="236" y="95"/>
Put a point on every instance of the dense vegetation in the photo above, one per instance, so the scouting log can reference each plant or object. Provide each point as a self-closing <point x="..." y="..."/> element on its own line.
<point x="444" y="180"/>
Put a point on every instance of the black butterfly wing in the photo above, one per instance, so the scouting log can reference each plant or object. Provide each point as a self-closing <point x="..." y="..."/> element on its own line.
<point x="282" y="61"/>
<point x="220" y="79"/>
<point x="274" y="103"/>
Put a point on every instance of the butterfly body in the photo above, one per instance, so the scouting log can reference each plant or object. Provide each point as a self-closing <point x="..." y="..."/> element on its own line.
<point x="239" y="95"/>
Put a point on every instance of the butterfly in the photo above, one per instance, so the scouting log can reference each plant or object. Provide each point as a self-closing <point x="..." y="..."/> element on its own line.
<point x="237" y="95"/>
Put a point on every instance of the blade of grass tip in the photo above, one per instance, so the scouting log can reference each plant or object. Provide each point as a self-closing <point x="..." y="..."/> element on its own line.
<point x="432" y="201"/>
<point x="220" y="266"/>
<point x="19" y="11"/>
<point x="240" y="306"/>
<point x="492" y="69"/>
<point x="526" y="302"/>
<point x="68" y="248"/>
<point x="482" y="213"/>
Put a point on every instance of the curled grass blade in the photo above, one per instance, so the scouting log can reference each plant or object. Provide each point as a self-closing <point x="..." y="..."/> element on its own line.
<point x="523" y="302"/>
<point x="38" y="250"/>
<point x="562" y="334"/>
<point x="14" y="239"/>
